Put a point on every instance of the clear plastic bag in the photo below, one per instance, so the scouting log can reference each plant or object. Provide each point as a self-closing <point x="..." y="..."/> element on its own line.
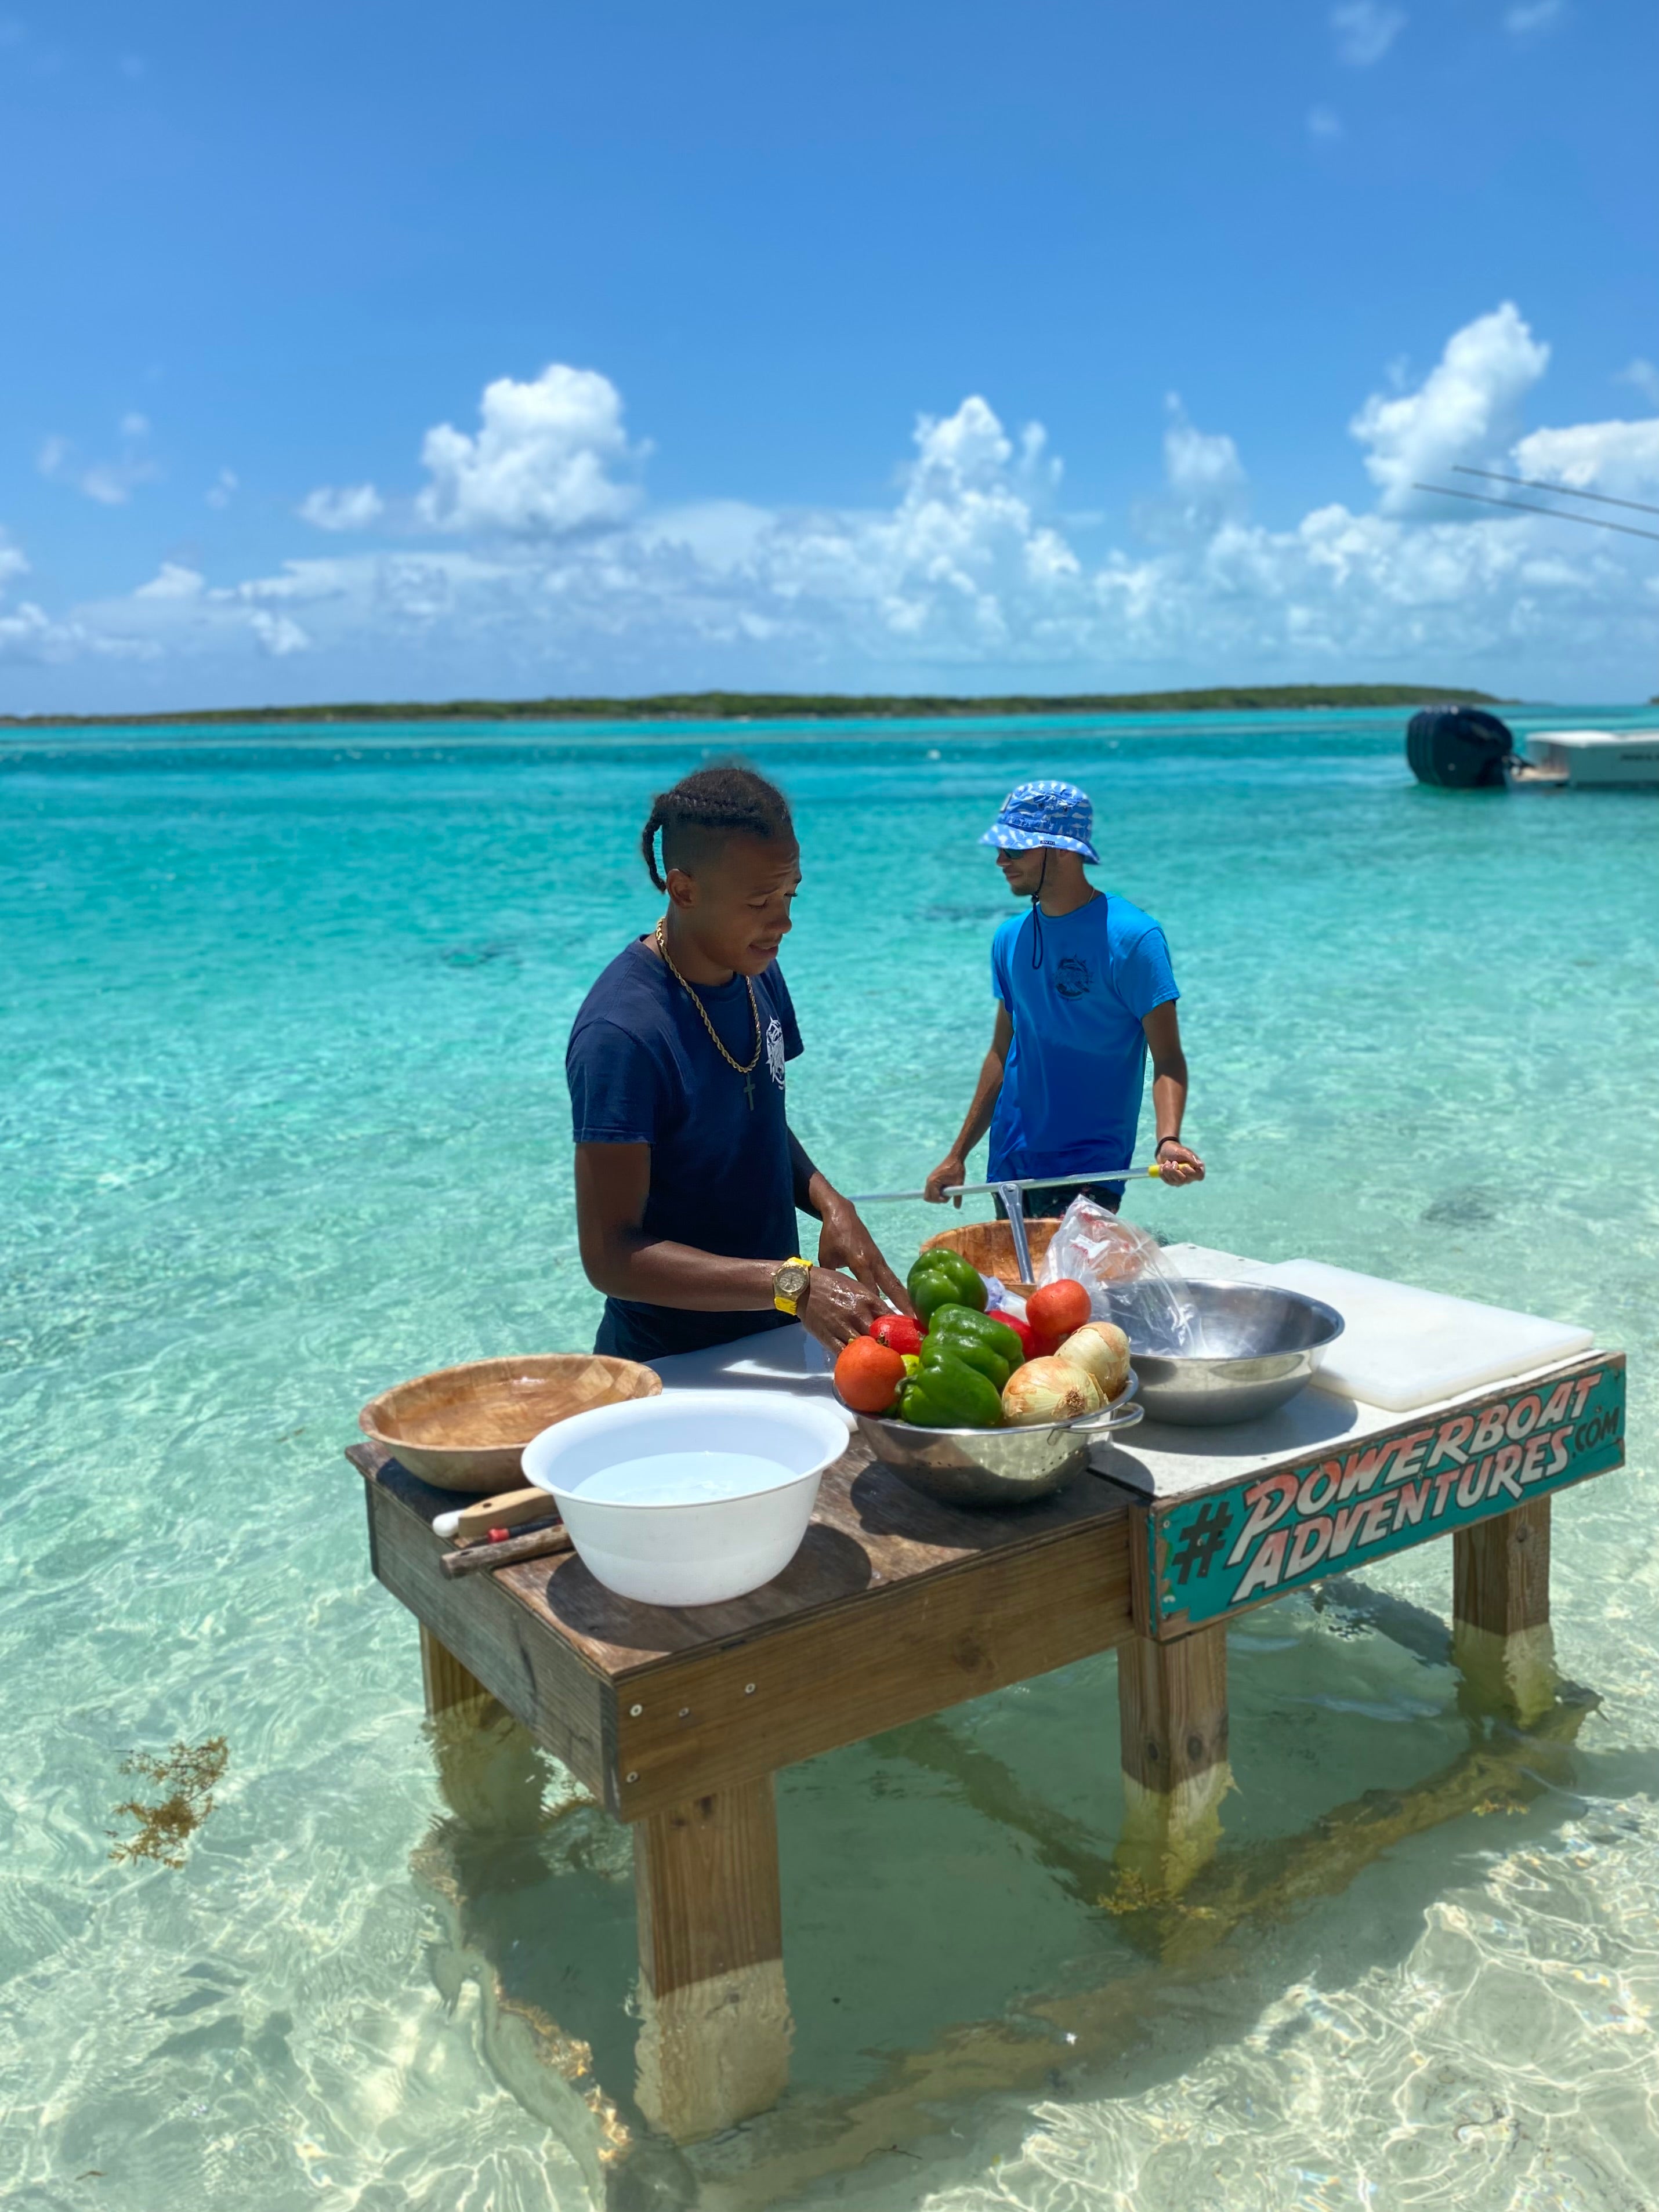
<point x="1127" y="1276"/>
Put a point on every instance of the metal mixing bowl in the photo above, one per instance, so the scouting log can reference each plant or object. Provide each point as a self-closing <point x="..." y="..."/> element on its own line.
<point x="1259" y="1346"/>
<point x="994" y="1467"/>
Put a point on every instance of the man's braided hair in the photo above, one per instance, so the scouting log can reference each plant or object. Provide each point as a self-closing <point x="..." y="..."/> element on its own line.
<point x="704" y="808"/>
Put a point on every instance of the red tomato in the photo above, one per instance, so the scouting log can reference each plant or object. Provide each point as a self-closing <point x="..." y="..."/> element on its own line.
<point x="1030" y="1343"/>
<point x="1058" y="1308"/>
<point x="899" y="1333"/>
<point x="868" y="1374"/>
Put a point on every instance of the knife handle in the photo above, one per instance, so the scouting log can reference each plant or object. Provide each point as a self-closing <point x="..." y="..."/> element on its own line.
<point x="485" y="1559"/>
<point x="505" y="1510"/>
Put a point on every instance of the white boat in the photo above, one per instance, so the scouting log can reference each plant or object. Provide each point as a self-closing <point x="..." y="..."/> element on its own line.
<point x="1589" y="759"/>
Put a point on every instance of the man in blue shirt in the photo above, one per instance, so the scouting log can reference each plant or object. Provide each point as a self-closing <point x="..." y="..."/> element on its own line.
<point x="1084" y="992"/>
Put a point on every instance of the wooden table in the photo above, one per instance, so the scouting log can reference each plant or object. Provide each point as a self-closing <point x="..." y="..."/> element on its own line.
<point x="897" y="1607"/>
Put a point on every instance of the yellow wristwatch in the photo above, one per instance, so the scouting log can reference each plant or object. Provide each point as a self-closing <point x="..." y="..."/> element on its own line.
<point x="789" y="1284"/>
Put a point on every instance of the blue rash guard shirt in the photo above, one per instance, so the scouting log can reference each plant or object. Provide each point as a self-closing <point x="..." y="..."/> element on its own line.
<point x="1072" y="1088"/>
<point x="642" y="1070"/>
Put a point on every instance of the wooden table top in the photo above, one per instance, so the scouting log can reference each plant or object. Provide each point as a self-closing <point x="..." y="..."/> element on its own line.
<point x="869" y="1534"/>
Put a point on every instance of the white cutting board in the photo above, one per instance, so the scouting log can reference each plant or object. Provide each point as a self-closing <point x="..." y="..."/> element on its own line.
<point x="1404" y="1347"/>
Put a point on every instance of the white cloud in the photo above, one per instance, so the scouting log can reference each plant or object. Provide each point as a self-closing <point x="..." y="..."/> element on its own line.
<point x="173" y="582"/>
<point x="540" y="463"/>
<point x="1364" y="30"/>
<point x="1202" y="468"/>
<point x="353" y="508"/>
<point x="1324" y="122"/>
<point x="1620" y="458"/>
<point x="720" y="534"/>
<point x="28" y="634"/>
<point x="223" y="488"/>
<point x="969" y="577"/>
<point x="1643" y="377"/>
<point x="1468" y="409"/>
<point x="1533" y="16"/>
<point x="278" y="634"/>
<point x="111" y="484"/>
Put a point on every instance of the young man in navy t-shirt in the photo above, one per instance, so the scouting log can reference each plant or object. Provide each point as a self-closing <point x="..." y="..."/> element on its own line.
<point x="1084" y="992"/>
<point x="688" y="1175"/>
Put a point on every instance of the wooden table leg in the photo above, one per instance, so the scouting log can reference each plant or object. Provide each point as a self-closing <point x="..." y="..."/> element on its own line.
<point x="488" y="1768"/>
<point x="1172" y="1715"/>
<point x="713" y="2045"/>
<point x="445" y="1682"/>
<point x="1502" y="1642"/>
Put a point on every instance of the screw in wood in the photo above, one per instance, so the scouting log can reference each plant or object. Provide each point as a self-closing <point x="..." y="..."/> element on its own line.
<point x="749" y="1689"/>
<point x="686" y="1712"/>
<point x="633" y="1711"/>
<point x="630" y="1777"/>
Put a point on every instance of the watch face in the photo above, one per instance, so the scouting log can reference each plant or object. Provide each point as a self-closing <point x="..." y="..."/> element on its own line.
<point x="789" y="1282"/>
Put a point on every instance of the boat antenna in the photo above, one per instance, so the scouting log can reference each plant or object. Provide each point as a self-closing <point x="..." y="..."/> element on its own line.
<point x="1568" y="491"/>
<point x="1531" y="507"/>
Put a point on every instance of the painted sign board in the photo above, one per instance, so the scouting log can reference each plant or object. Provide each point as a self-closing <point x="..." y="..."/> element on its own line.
<point x="1228" y="1549"/>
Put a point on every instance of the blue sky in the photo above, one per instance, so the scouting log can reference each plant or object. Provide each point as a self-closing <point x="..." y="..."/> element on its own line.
<point x="409" y="351"/>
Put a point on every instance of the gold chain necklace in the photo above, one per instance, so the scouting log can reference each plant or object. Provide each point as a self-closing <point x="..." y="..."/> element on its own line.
<point x="748" y="1073"/>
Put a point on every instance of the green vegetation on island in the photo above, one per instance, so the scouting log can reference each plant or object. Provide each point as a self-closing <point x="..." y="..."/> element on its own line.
<point x="798" y="706"/>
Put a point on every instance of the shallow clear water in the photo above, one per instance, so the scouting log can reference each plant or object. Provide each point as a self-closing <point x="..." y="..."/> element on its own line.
<point x="283" y="1121"/>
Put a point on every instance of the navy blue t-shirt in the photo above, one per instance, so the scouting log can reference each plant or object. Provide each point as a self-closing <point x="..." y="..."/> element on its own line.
<point x="642" y="1070"/>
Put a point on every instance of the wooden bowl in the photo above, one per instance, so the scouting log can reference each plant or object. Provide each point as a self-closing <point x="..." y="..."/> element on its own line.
<point x="989" y="1246"/>
<point x="463" y="1428"/>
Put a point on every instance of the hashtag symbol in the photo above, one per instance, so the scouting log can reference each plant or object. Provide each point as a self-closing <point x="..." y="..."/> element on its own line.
<point x="1202" y="1540"/>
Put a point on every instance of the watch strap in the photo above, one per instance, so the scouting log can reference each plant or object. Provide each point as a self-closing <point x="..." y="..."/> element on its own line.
<point x="785" y="1301"/>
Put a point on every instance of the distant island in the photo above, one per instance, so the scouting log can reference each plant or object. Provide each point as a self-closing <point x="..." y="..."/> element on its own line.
<point x="795" y="705"/>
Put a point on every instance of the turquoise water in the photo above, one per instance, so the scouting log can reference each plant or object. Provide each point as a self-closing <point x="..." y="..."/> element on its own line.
<point x="283" y="1119"/>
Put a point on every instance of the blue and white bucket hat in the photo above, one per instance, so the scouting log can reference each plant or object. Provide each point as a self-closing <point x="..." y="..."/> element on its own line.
<point x="1036" y="814"/>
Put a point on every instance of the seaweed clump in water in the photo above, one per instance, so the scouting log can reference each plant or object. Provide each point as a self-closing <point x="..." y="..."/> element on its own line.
<point x="189" y="1774"/>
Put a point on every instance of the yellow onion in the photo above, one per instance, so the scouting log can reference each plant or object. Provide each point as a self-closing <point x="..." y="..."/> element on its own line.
<point x="1102" y="1350"/>
<point x="1048" y="1390"/>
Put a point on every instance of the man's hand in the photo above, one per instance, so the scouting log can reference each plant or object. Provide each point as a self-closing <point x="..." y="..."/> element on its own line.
<point x="1177" y="1164"/>
<point x="950" y="1170"/>
<point x="844" y="1241"/>
<point x="835" y="1310"/>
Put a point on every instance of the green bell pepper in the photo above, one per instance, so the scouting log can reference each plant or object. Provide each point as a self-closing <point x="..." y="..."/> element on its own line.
<point x="937" y="1347"/>
<point x="963" y="1325"/>
<point x="949" y="1393"/>
<point x="943" y="1277"/>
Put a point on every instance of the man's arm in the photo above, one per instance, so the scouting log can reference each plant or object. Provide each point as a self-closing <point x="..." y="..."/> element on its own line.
<point x="1162" y="1027"/>
<point x="612" y="1183"/>
<point x="954" y="1168"/>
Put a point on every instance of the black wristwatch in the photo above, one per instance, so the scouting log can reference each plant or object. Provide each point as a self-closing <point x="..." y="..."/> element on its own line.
<point x="1161" y="1143"/>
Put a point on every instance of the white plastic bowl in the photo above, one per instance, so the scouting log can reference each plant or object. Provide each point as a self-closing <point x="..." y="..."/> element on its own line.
<point x="694" y="1548"/>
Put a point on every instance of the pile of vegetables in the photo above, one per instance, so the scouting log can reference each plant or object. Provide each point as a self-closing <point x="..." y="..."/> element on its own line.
<point x="957" y="1366"/>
